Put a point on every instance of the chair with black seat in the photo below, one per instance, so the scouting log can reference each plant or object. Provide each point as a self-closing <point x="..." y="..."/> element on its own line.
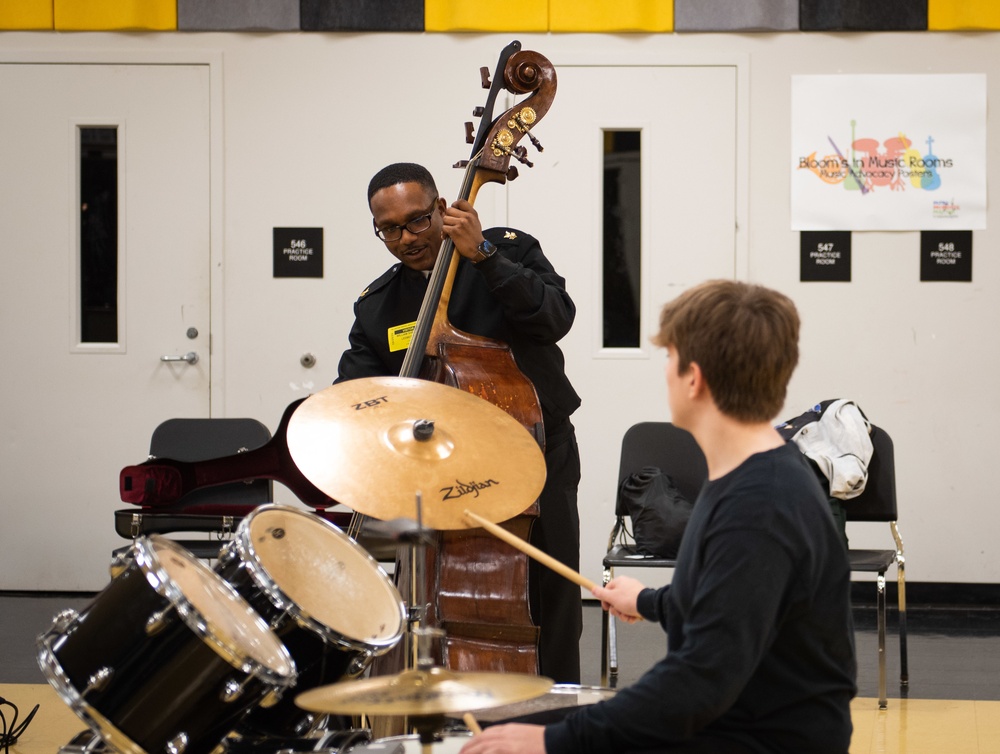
<point x="216" y="509"/>
<point x="878" y="503"/>
<point x="675" y="452"/>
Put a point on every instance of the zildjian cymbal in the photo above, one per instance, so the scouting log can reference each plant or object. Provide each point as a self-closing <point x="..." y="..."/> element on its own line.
<point x="374" y="443"/>
<point x="434" y="691"/>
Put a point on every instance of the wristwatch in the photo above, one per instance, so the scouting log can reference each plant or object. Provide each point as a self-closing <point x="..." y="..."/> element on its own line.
<point x="486" y="249"/>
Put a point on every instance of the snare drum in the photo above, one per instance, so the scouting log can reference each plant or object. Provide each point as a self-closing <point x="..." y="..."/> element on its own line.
<point x="449" y="743"/>
<point x="325" y="597"/>
<point x="168" y="658"/>
<point x="554" y="705"/>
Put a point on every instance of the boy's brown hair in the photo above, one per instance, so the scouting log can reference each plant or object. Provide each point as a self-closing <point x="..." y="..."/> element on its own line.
<point x="745" y="339"/>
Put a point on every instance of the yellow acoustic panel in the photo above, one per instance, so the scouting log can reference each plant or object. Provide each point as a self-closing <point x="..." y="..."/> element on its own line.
<point x="26" y="14"/>
<point x="97" y="15"/>
<point x="620" y="15"/>
<point x="476" y="15"/>
<point x="946" y="15"/>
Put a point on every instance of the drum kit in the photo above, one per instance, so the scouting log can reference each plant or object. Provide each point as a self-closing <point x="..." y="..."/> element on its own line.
<point x="264" y="651"/>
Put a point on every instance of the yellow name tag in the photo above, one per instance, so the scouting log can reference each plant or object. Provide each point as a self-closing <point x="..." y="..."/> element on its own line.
<point x="401" y="335"/>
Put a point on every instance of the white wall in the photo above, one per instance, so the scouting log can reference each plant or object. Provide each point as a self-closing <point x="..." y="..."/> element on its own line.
<point x="307" y="119"/>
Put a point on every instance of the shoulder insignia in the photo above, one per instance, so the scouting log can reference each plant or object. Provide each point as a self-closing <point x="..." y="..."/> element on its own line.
<point x="364" y="292"/>
<point x="509" y="235"/>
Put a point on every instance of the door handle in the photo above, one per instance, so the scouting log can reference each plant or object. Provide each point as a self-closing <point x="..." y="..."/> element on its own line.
<point x="190" y="357"/>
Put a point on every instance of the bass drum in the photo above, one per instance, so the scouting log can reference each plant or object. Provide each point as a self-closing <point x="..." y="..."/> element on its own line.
<point x="167" y="658"/>
<point x="324" y="596"/>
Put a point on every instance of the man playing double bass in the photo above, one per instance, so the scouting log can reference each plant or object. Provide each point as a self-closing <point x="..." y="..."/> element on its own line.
<point x="505" y="289"/>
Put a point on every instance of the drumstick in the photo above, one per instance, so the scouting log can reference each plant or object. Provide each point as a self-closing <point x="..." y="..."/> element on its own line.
<point x="530" y="551"/>
<point x="471" y="724"/>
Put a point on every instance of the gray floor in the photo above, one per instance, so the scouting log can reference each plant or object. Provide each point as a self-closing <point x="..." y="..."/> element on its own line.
<point x="953" y="654"/>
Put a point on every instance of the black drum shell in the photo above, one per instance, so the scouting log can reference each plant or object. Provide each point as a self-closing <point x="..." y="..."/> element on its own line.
<point x="318" y="662"/>
<point x="163" y="682"/>
<point x="322" y="654"/>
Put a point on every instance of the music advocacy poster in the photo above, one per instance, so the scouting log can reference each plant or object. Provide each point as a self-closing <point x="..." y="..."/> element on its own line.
<point x="889" y="152"/>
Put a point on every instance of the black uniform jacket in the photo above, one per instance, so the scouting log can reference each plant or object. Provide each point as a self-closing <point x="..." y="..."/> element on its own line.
<point x="514" y="296"/>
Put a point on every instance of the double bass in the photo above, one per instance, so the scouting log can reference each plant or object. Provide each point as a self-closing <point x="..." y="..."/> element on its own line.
<point x="478" y="583"/>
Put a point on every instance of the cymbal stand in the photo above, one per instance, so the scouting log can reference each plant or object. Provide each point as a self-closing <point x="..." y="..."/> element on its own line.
<point x="424" y="644"/>
<point x="428" y="728"/>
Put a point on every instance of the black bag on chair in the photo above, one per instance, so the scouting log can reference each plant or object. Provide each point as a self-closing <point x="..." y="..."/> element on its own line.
<point x="658" y="510"/>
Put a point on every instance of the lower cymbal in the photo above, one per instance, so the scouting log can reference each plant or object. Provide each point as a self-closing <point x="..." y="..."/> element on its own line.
<point x="374" y="443"/>
<point x="436" y="691"/>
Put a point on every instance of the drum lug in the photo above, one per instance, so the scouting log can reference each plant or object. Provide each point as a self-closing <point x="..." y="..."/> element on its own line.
<point x="271" y="698"/>
<point x="304" y="725"/>
<point x="156" y="622"/>
<point x="119" y="563"/>
<point x="226" y="553"/>
<point x="99" y="680"/>
<point x="359" y="663"/>
<point x="279" y="620"/>
<point x="63" y="619"/>
<point x="177" y="744"/>
<point x="232" y="691"/>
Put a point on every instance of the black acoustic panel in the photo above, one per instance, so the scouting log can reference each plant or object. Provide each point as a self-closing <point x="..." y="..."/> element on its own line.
<point x="362" y="15"/>
<point x="863" y="15"/>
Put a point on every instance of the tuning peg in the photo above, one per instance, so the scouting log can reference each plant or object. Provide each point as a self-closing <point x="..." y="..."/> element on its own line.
<point x="484" y="72"/>
<point x="461" y="164"/>
<point x="470" y="136"/>
<point x="522" y="121"/>
<point x="477" y="112"/>
<point x="511" y="172"/>
<point x="501" y="146"/>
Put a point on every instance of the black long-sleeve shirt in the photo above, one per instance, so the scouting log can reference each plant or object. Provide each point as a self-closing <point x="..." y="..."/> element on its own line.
<point x="515" y="296"/>
<point x="760" y="641"/>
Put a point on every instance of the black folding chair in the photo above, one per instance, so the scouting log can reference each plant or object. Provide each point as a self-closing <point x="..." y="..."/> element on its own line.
<point x="215" y="510"/>
<point x="878" y="503"/>
<point x="674" y="452"/>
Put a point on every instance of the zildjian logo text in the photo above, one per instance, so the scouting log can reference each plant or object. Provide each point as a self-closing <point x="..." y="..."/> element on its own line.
<point x="460" y="489"/>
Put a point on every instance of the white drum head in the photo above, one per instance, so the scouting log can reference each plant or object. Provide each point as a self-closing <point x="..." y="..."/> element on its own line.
<point x="328" y="576"/>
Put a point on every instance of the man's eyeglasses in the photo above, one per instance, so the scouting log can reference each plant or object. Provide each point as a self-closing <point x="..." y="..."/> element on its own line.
<point x="416" y="225"/>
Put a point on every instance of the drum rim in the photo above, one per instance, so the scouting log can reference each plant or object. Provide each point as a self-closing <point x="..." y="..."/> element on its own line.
<point x="440" y="735"/>
<point x="57" y="678"/>
<point x="575" y="688"/>
<point x="149" y="563"/>
<point x="242" y="543"/>
<point x="101" y="726"/>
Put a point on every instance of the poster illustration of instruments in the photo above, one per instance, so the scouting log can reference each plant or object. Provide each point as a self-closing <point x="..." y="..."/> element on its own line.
<point x="888" y="152"/>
